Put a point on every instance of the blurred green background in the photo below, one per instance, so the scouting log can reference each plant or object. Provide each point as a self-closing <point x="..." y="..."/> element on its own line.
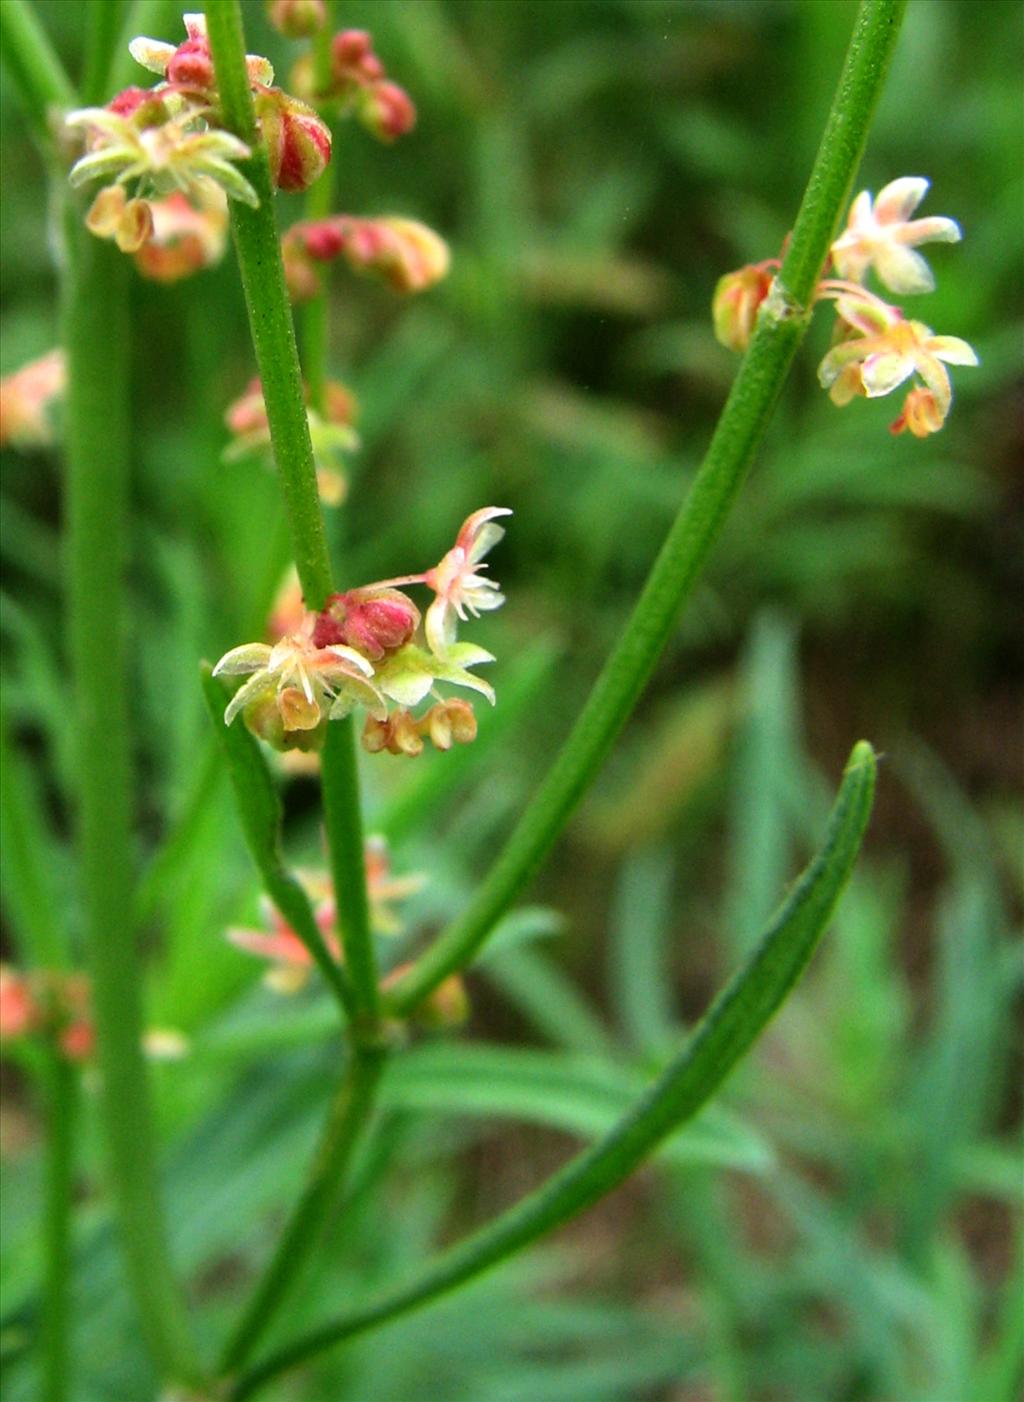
<point x="846" y="1225"/>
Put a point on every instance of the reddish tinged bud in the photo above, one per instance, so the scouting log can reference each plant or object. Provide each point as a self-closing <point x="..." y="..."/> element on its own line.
<point x="297" y="19"/>
<point x="340" y="404"/>
<point x="738" y="296"/>
<point x="78" y="1040"/>
<point x="322" y="240"/>
<point x="20" y="1013"/>
<point x="126" y="103"/>
<point x="404" y="253"/>
<point x="298" y="141"/>
<point x="386" y="110"/>
<point x="191" y="65"/>
<point x="349" y="51"/>
<point x="373" y="621"/>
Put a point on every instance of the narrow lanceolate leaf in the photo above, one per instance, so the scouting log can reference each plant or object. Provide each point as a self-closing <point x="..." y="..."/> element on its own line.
<point x="260" y="810"/>
<point x="733" y="1023"/>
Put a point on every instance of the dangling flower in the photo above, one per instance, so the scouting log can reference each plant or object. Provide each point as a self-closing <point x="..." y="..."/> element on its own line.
<point x="295" y="687"/>
<point x="890" y="356"/>
<point x="921" y="416"/>
<point x="189" y="234"/>
<point x="881" y="234"/>
<point x="331" y="436"/>
<point x="403" y="253"/>
<point x="113" y="215"/>
<point x="456" y="582"/>
<point x="26" y="397"/>
<point x="173" y="154"/>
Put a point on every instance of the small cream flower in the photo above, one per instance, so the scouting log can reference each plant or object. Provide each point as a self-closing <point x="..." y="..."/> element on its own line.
<point x="171" y="155"/>
<point x="459" y="588"/>
<point x="307" y="684"/>
<point x="881" y="234"/>
<point x="890" y="356"/>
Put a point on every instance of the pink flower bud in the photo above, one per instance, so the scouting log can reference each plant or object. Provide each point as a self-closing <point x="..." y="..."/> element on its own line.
<point x="78" y="1040"/>
<point x="298" y="141"/>
<point x="386" y="110"/>
<point x="20" y="1013"/>
<point x="297" y="19"/>
<point x="404" y="253"/>
<point x="350" y="51"/>
<point x="127" y="103"/>
<point x="737" y="299"/>
<point x="373" y="621"/>
<point x="191" y="65"/>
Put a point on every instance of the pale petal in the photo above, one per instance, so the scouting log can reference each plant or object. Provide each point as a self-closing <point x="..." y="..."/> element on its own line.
<point x="902" y="270"/>
<point x="355" y="659"/>
<point x="952" y="350"/>
<point x="220" y="144"/>
<point x="100" y="163"/>
<point x="898" y="200"/>
<point x="937" y="380"/>
<point x="246" y="658"/>
<point x="152" y="54"/>
<point x="880" y="374"/>
<point x="258" y="685"/>
<point x="230" y="181"/>
<point x="861" y="215"/>
<point x="439" y="626"/>
<point x="934" y="230"/>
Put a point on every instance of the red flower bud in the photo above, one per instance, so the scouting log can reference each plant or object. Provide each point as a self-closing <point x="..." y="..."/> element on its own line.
<point x="298" y="141"/>
<point x="373" y="621"/>
<point x="191" y="65"/>
<point x="386" y="110"/>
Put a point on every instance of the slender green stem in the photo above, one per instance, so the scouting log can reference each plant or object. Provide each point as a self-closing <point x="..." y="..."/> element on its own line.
<point x="340" y="781"/>
<point x="36" y="72"/>
<point x="270" y="317"/>
<point x="737" y="436"/>
<point x="103" y="32"/>
<point x="724" y="1035"/>
<point x="95" y="316"/>
<point x="60" y="1149"/>
<point x="325" y="1187"/>
<point x="319" y="199"/>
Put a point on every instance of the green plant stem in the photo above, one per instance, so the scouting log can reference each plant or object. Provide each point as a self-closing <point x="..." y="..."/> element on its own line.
<point x="325" y="1187"/>
<point x="722" y="1038"/>
<point x="60" y="1148"/>
<point x="270" y="318"/>
<point x="38" y="76"/>
<point x="319" y="199"/>
<point x="340" y="780"/>
<point x="738" y="434"/>
<point x="95" y="318"/>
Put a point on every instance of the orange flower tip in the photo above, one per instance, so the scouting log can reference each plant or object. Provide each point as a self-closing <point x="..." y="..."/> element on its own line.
<point x="297" y="19"/>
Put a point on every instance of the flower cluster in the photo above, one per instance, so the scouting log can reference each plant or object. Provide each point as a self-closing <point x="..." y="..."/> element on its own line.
<point x="26" y="400"/>
<point x="164" y="146"/>
<point x="361" y="649"/>
<point x="332" y="435"/>
<point x="48" y="1003"/>
<point x="876" y="348"/>
<point x="403" y="253"/>
<point x="359" y="86"/>
<point x="291" y="962"/>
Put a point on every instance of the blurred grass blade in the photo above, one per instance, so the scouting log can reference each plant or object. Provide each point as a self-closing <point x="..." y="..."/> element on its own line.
<point x="30" y="862"/>
<point x="540" y="990"/>
<point x="580" y="1095"/>
<point x="642" y="926"/>
<point x="766" y="756"/>
<point x="725" y="1034"/>
<point x="260" y="810"/>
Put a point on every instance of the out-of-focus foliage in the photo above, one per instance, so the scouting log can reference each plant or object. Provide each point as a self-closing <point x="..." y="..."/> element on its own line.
<point x="844" y="1225"/>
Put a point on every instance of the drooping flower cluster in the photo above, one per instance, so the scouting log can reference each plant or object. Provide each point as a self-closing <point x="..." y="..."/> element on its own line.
<point x="403" y="253"/>
<point x="171" y="165"/>
<point x="362" y="649"/>
<point x="876" y="348"/>
<point x="50" y="1004"/>
<point x="358" y="85"/>
<point x="291" y="961"/>
<point x="332" y="435"/>
<point x="27" y="398"/>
